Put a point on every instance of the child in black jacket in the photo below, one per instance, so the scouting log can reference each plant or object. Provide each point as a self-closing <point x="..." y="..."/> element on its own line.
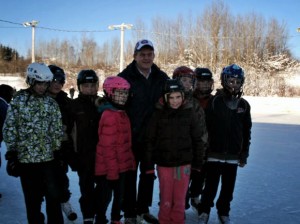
<point x="229" y="130"/>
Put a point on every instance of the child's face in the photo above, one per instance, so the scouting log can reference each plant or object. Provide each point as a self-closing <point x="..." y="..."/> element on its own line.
<point x="187" y="83"/>
<point x="175" y="100"/>
<point x="55" y="87"/>
<point x="234" y="84"/>
<point x="89" y="88"/>
<point x="40" y="87"/>
<point x="204" y="85"/>
<point x="120" y="96"/>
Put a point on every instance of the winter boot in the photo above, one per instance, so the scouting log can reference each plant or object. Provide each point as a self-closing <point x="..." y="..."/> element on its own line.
<point x="69" y="211"/>
<point x="224" y="219"/>
<point x="116" y="222"/>
<point x="130" y="221"/>
<point x="203" y="218"/>
<point x="88" y="221"/>
<point x="148" y="218"/>
<point x="195" y="203"/>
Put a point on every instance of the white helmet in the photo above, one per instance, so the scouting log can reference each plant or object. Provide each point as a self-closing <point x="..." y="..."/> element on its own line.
<point x="38" y="72"/>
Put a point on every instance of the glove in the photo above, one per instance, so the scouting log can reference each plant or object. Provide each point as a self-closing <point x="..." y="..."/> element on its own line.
<point x="13" y="165"/>
<point x="13" y="168"/>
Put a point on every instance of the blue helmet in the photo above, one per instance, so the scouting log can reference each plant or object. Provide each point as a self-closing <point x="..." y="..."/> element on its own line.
<point x="236" y="72"/>
<point x="232" y="71"/>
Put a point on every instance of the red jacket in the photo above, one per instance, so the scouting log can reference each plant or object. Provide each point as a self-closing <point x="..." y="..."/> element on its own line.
<point x="114" y="154"/>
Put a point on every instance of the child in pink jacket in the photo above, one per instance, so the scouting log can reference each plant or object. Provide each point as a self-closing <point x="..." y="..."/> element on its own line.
<point x="114" y="156"/>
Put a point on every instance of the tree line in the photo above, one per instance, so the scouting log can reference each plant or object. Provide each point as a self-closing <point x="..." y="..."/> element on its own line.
<point x="213" y="38"/>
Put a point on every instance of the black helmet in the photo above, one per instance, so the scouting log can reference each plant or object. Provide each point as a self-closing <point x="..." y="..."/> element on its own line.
<point x="58" y="74"/>
<point x="172" y="85"/>
<point x="203" y="74"/>
<point x="87" y="76"/>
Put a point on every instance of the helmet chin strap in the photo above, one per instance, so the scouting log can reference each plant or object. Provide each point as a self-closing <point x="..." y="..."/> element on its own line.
<point x="233" y="93"/>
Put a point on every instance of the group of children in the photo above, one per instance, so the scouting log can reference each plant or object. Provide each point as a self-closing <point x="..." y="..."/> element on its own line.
<point x="192" y="138"/>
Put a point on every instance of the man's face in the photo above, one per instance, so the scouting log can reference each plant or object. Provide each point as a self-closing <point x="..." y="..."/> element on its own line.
<point x="144" y="58"/>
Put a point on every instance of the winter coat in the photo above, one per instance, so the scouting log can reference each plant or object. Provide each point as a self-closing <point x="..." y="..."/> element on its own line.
<point x="66" y="148"/>
<point x="114" y="154"/>
<point x="33" y="127"/>
<point x="3" y="111"/>
<point x="229" y="128"/>
<point x="82" y="128"/>
<point x="204" y="102"/>
<point x="144" y="94"/>
<point x="176" y="137"/>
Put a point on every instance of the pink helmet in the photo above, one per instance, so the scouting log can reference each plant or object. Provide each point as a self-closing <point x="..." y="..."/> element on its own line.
<point x="114" y="82"/>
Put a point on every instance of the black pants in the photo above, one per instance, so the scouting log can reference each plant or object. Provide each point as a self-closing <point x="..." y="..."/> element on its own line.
<point x="103" y="195"/>
<point x="64" y="182"/>
<point x="137" y="201"/>
<point x="104" y="191"/>
<point x="216" y="170"/>
<point x="87" y="190"/>
<point x="38" y="180"/>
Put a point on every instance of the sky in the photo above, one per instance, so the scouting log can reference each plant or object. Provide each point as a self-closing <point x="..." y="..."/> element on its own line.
<point x="267" y="188"/>
<point x="97" y="15"/>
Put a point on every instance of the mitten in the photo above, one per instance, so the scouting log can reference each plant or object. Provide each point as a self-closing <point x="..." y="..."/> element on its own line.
<point x="13" y="165"/>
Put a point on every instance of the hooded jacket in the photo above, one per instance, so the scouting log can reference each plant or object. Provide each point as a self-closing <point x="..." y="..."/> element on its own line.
<point x="33" y="127"/>
<point x="176" y="137"/>
<point x="82" y="128"/>
<point x="229" y="128"/>
<point x="114" y="154"/>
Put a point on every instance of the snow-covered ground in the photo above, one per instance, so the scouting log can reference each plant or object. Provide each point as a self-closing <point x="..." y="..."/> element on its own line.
<point x="267" y="189"/>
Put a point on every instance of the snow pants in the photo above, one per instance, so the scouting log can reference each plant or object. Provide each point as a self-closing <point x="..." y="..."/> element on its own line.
<point x="39" y="180"/>
<point x="173" y="185"/>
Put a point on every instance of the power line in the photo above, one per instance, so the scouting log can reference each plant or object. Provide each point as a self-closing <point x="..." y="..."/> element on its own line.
<point x="59" y="30"/>
<point x="138" y="30"/>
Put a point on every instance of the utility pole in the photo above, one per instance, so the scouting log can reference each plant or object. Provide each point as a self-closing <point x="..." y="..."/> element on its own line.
<point x="33" y="24"/>
<point x="122" y="27"/>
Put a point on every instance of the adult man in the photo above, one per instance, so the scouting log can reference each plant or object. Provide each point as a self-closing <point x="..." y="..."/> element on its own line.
<point x="146" y="81"/>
